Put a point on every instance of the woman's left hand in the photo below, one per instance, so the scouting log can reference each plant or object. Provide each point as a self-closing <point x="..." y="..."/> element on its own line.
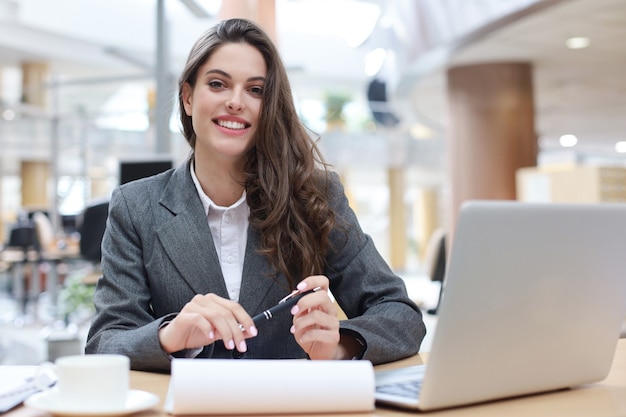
<point x="315" y="321"/>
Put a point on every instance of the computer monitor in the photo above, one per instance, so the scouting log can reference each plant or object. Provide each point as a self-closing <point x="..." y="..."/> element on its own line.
<point x="134" y="170"/>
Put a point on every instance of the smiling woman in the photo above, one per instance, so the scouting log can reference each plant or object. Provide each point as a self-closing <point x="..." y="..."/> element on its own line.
<point x="190" y="255"/>
<point x="224" y="102"/>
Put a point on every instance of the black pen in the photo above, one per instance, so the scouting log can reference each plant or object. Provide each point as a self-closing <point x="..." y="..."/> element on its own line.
<point x="283" y="304"/>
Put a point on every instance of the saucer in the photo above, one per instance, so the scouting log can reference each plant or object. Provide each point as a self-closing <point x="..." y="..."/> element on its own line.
<point x="49" y="401"/>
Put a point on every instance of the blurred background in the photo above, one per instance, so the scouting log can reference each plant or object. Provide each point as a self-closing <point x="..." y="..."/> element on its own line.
<point x="418" y="104"/>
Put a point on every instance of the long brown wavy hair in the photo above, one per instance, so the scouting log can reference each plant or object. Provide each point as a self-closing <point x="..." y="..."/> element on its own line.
<point x="286" y="176"/>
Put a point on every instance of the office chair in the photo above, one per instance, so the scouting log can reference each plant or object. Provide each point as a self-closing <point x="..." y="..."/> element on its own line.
<point x="43" y="230"/>
<point x="436" y="262"/>
<point x="91" y="228"/>
<point x="23" y="237"/>
<point x="379" y="105"/>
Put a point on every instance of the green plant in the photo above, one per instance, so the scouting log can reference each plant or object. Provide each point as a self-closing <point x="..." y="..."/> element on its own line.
<point x="76" y="299"/>
<point x="335" y="103"/>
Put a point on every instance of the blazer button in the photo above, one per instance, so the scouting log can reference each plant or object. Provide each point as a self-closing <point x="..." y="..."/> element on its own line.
<point x="237" y="354"/>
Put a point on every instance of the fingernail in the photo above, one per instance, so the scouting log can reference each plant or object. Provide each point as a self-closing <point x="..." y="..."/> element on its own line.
<point x="295" y="309"/>
<point x="253" y="331"/>
<point x="301" y="286"/>
<point x="242" y="346"/>
<point x="230" y="345"/>
<point x="292" y="329"/>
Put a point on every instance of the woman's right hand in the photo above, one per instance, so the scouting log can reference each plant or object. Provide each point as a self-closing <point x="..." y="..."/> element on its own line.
<point x="204" y="320"/>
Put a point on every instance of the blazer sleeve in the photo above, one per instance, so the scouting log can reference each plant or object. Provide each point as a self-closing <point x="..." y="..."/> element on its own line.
<point x="380" y="313"/>
<point x="123" y="324"/>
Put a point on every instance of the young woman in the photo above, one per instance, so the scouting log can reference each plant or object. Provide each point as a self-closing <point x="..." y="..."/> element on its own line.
<point x="190" y="255"/>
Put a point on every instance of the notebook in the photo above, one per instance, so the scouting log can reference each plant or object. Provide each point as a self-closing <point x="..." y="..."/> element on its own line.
<point x="534" y="300"/>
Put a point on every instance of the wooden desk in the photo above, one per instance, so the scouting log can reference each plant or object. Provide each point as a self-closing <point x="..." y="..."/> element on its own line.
<point x="605" y="398"/>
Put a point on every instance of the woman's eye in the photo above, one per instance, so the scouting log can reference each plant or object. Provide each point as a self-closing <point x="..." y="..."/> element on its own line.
<point x="216" y="84"/>
<point x="256" y="90"/>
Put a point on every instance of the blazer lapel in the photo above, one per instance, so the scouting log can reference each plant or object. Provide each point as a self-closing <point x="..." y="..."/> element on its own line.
<point x="186" y="237"/>
<point x="257" y="285"/>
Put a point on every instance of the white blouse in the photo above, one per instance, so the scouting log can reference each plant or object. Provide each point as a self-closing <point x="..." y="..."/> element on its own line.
<point x="229" y="227"/>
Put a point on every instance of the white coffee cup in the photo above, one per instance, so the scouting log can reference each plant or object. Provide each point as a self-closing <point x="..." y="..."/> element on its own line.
<point x="92" y="382"/>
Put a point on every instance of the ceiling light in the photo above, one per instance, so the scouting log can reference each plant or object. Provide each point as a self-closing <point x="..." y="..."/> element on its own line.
<point x="419" y="131"/>
<point x="352" y="21"/>
<point x="8" y="115"/>
<point x="620" y="146"/>
<point x="568" y="141"/>
<point x="374" y="61"/>
<point x="577" y="42"/>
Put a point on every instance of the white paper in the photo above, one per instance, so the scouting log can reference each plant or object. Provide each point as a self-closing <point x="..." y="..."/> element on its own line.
<point x="18" y="382"/>
<point x="12" y="377"/>
<point x="269" y="386"/>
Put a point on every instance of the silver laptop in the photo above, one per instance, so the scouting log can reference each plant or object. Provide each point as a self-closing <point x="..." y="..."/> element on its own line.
<point x="534" y="300"/>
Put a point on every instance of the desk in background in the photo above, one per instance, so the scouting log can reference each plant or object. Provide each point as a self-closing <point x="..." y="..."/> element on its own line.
<point x="605" y="398"/>
<point x="28" y="282"/>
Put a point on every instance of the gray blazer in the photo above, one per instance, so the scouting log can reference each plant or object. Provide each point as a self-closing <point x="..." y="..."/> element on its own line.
<point x="157" y="253"/>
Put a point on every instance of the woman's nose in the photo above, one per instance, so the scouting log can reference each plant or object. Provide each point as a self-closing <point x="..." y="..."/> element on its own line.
<point x="235" y="103"/>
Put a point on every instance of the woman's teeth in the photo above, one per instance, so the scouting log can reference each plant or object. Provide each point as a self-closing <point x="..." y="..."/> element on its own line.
<point x="231" y="125"/>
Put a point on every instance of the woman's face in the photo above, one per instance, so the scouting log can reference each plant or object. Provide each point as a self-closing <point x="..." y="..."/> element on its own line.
<point x="226" y="101"/>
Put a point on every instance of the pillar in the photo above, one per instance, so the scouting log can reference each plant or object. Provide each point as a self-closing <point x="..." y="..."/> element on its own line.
<point x="262" y="12"/>
<point x="99" y="184"/>
<point x="426" y="217"/>
<point x="34" y="76"/>
<point x="34" y="176"/>
<point x="397" y="218"/>
<point x="491" y="133"/>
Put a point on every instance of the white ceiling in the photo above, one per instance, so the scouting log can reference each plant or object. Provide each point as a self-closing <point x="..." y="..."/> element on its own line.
<point x="92" y="40"/>
<point x="580" y="92"/>
<point x="97" y="48"/>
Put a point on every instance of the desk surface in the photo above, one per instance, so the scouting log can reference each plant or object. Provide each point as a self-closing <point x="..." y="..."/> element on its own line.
<point x="605" y="398"/>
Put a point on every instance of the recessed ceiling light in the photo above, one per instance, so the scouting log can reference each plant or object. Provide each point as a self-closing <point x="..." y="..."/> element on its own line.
<point x="620" y="147"/>
<point x="568" y="141"/>
<point x="577" y="42"/>
<point x="419" y="131"/>
<point x="8" y="115"/>
<point x="374" y="61"/>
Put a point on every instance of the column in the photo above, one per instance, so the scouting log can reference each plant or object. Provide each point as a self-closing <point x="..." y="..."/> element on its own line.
<point x="34" y="75"/>
<point x="397" y="218"/>
<point x="426" y="217"/>
<point x="262" y="12"/>
<point x="492" y="131"/>
<point x="34" y="176"/>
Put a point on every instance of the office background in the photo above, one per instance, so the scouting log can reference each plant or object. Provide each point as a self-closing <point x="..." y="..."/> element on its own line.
<point x="419" y="104"/>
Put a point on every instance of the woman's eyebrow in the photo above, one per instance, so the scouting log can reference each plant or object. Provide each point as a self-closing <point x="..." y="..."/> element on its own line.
<point x="218" y="71"/>
<point x="227" y="75"/>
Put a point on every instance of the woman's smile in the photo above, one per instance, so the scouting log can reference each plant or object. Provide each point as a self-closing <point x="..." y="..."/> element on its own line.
<point x="232" y="126"/>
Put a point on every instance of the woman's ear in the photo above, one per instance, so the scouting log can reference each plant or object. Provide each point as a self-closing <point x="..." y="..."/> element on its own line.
<point x="187" y="93"/>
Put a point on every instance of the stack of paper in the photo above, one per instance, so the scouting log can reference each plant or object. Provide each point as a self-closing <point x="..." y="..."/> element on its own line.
<point x="222" y="386"/>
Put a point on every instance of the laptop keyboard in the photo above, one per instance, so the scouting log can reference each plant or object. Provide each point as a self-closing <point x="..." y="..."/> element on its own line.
<point x="408" y="389"/>
<point x="403" y="382"/>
